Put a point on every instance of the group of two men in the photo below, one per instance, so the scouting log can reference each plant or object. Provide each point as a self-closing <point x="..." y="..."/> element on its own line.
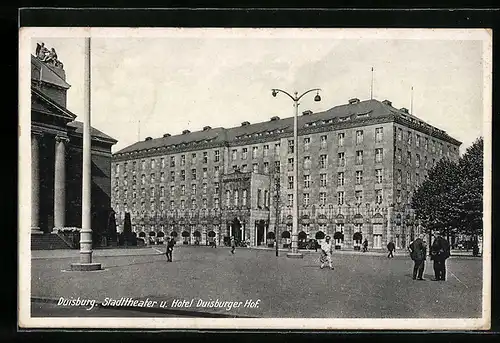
<point x="440" y="251"/>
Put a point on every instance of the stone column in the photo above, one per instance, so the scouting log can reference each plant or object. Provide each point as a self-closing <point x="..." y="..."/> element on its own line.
<point x="35" y="181"/>
<point x="60" y="182"/>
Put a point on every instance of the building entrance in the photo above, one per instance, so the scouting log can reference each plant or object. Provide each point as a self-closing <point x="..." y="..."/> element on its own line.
<point x="236" y="229"/>
<point x="260" y="232"/>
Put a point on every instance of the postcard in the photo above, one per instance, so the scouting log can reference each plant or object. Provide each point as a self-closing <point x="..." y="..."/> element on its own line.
<point x="218" y="178"/>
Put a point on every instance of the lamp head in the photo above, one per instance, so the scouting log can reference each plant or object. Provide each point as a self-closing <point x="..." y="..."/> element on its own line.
<point x="317" y="98"/>
<point x="275" y="92"/>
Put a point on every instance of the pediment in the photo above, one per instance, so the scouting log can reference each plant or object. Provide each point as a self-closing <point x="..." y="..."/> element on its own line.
<point x="43" y="104"/>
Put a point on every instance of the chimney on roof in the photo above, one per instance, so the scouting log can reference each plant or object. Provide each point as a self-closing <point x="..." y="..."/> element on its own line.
<point x="307" y="112"/>
<point x="148" y="139"/>
<point x="275" y="118"/>
<point x="387" y="102"/>
<point x="353" y="101"/>
<point x="404" y="109"/>
<point x="185" y="132"/>
<point x="206" y="128"/>
<point x="245" y="123"/>
<point x="167" y="135"/>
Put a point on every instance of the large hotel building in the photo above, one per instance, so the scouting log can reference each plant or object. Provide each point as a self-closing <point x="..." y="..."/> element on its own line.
<point x="359" y="164"/>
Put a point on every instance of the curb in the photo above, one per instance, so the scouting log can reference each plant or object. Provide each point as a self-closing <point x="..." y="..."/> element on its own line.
<point x="65" y="257"/>
<point x="180" y="313"/>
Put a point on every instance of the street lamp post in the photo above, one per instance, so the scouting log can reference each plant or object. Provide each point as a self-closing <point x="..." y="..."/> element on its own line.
<point x="295" y="253"/>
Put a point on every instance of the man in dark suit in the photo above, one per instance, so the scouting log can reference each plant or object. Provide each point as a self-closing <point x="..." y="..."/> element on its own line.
<point x="391" y="247"/>
<point x="440" y="251"/>
<point x="418" y="252"/>
<point x="170" y="248"/>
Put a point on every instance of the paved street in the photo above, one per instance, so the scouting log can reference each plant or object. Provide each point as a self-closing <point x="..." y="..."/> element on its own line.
<point x="361" y="286"/>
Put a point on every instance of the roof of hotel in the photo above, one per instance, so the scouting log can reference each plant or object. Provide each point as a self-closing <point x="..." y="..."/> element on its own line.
<point x="369" y="108"/>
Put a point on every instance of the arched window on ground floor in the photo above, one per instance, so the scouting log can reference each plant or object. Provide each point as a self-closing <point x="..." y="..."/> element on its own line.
<point x="285" y="239"/>
<point x="185" y="237"/>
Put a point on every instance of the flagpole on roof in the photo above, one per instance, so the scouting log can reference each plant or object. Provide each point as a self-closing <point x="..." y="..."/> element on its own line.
<point x="371" y="87"/>
<point x="411" y="101"/>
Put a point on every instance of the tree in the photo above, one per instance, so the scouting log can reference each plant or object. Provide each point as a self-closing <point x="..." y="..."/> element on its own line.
<point x="451" y="198"/>
<point x="435" y="199"/>
<point x="469" y="209"/>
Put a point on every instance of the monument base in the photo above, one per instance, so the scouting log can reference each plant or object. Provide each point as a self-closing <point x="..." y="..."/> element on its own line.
<point x="85" y="267"/>
<point x="294" y="255"/>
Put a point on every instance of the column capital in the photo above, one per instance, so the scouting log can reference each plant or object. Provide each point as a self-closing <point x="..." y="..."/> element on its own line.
<point x="61" y="138"/>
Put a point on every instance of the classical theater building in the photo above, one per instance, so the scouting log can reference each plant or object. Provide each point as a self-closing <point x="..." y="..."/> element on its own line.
<point x="359" y="163"/>
<point x="56" y="153"/>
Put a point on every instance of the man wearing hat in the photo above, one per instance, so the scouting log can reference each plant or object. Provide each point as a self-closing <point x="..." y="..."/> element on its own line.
<point x="418" y="253"/>
<point x="326" y="253"/>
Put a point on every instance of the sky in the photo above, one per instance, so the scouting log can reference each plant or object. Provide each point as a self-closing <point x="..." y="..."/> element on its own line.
<point x="151" y="85"/>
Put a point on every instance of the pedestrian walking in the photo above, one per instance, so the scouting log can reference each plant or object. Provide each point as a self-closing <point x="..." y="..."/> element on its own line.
<point x="170" y="248"/>
<point x="326" y="253"/>
<point x="440" y="251"/>
<point x="391" y="247"/>
<point x="418" y="252"/>
<point x="365" y="245"/>
<point x="233" y="244"/>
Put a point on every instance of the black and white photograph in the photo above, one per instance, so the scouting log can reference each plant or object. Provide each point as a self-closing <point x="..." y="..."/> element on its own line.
<point x="187" y="178"/>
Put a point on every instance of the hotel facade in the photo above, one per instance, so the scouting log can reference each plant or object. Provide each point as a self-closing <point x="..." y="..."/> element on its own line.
<point x="359" y="164"/>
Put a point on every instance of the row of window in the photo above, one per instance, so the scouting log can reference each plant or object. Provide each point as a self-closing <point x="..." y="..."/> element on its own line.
<point x="323" y="181"/>
<point x="263" y="199"/>
<point x="216" y="158"/>
<point x="379" y="136"/>
<point x="410" y="138"/>
<point x="182" y="188"/>
<point x="409" y="159"/>
<point x="233" y="198"/>
<point x="359" y="138"/>
<point x="323" y="163"/>
<point x="152" y="177"/>
<point x="244" y="153"/>
<point x="307" y="163"/>
<point x="340" y="198"/>
<point x="152" y="207"/>
<point x="172" y="228"/>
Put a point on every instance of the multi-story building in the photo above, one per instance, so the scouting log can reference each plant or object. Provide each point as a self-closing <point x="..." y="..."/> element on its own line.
<point x="56" y="157"/>
<point x="358" y="166"/>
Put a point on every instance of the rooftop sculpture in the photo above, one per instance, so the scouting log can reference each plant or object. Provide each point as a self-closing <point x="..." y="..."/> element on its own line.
<point x="47" y="56"/>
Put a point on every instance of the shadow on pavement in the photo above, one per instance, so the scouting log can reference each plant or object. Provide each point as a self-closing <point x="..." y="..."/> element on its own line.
<point x="135" y="264"/>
